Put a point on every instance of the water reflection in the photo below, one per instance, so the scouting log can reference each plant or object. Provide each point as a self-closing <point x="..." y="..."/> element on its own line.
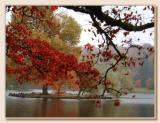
<point x="28" y="107"/>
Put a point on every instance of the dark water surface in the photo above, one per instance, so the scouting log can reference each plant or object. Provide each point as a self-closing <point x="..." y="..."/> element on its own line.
<point x="141" y="106"/>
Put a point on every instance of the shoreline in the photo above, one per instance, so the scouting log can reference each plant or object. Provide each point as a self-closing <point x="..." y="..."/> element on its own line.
<point x="55" y="96"/>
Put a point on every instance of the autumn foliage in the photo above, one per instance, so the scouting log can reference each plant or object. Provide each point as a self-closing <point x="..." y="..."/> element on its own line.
<point x="53" y="8"/>
<point x="88" y="76"/>
<point x="38" y="57"/>
<point x="36" y="60"/>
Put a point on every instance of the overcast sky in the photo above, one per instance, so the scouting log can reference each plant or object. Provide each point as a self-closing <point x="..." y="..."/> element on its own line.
<point x="83" y="20"/>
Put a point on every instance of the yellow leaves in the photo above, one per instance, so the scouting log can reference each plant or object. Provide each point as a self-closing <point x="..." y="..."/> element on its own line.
<point x="39" y="35"/>
<point x="63" y="46"/>
<point x="70" y="30"/>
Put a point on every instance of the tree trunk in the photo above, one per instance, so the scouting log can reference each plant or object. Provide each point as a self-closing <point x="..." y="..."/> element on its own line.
<point x="58" y="91"/>
<point x="79" y="93"/>
<point x="45" y="89"/>
<point x="104" y="90"/>
<point x="83" y="91"/>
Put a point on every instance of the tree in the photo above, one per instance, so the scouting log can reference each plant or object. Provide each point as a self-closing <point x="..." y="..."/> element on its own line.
<point x="108" y="23"/>
<point x="88" y="76"/>
<point x="42" y="25"/>
<point x="35" y="60"/>
<point x="70" y="30"/>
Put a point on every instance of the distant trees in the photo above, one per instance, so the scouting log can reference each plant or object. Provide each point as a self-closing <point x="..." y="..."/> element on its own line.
<point x="146" y="73"/>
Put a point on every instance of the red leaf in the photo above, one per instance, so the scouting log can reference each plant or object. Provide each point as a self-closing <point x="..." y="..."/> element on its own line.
<point x="114" y="69"/>
<point x="126" y="33"/>
<point x="53" y="8"/>
<point x="117" y="103"/>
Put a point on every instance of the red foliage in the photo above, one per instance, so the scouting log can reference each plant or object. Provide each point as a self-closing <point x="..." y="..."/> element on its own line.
<point x="36" y="59"/>
<point x="88" y="47"/>
<point x="98" y="103"/>
<point x="126" y="33"/>
<point x="83" y="67"/>
<point x="10" y="70"/>
<point x="117" y="102"/>
<point x="114" y="69"/>
<point x="107" y="54"/>
<point x="88" y="75"/>
<point x="53" y="8"/>
<point x="108" y="82"/>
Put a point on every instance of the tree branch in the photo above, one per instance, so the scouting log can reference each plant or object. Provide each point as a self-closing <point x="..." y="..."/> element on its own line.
<point x="103" y="32"/>
<point x="109" y="20"/>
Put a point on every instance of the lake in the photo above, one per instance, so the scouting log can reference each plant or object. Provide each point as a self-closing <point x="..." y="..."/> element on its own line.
<point x="140" y="106"/>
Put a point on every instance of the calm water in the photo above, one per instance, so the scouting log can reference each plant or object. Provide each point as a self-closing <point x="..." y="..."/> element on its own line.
<point x="141" y="106"/>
